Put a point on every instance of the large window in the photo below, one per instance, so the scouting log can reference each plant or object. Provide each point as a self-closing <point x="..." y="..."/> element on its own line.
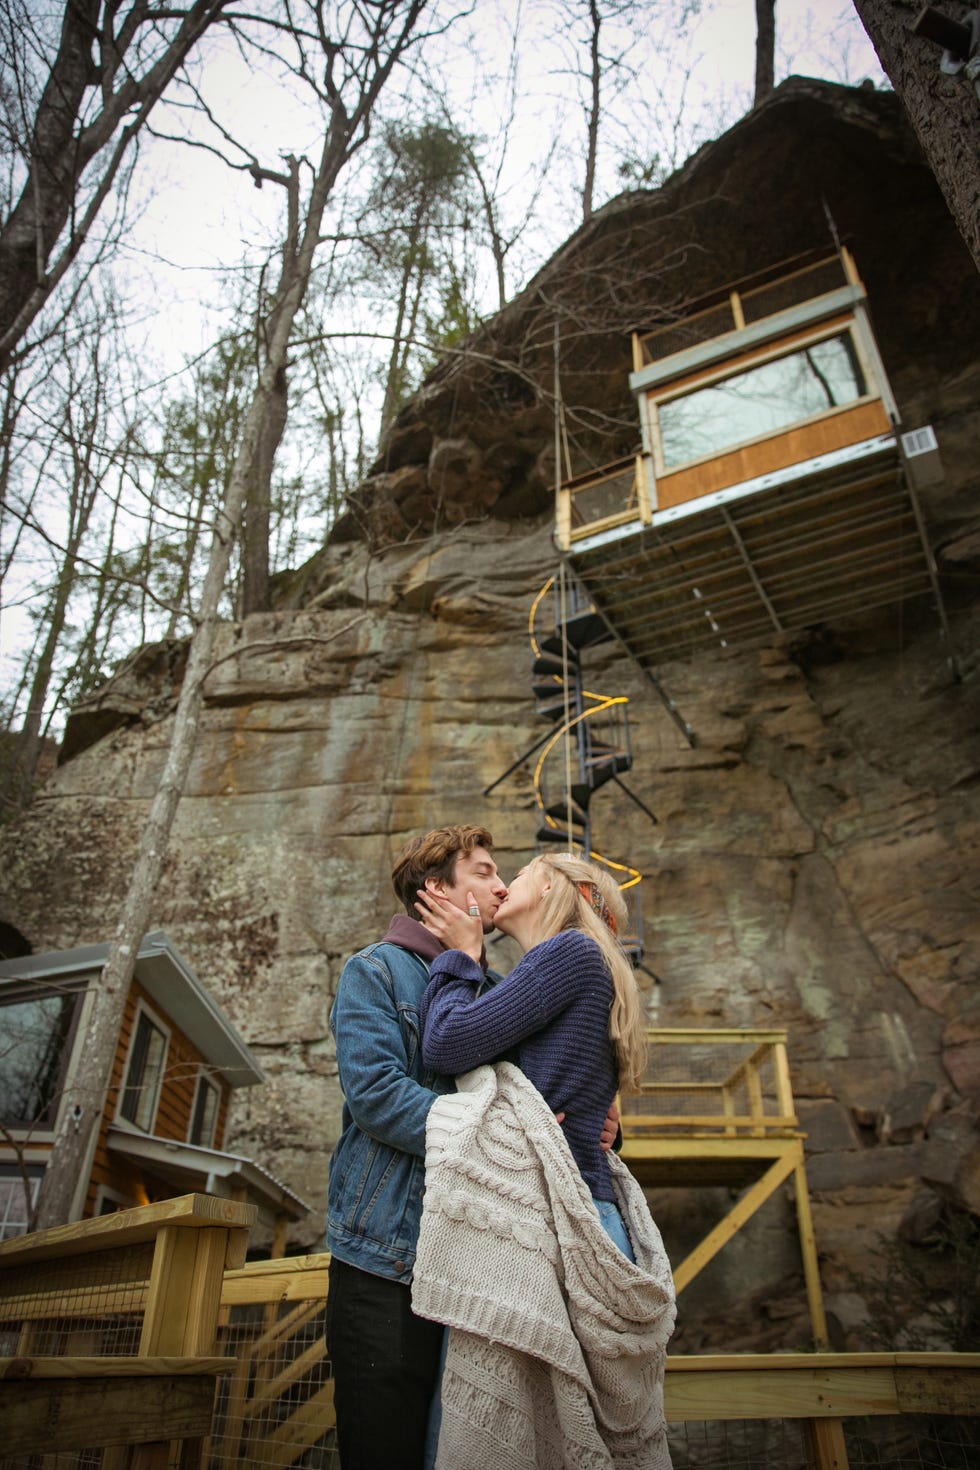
<point x="144" y="1074"/>
<point x="205" y="1120"/>
<point x="760" y="401"/>
<point x="33" y="1049"/>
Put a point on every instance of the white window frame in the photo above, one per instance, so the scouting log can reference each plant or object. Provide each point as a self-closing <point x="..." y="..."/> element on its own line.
<point x="154" y="1020"/>
<point x="772" y="352"/>
<point x="121" y="1201"/>
<point x="205" y="1082"/>
<point x="11" y="1172"/>
<point x="44" y="1127"/>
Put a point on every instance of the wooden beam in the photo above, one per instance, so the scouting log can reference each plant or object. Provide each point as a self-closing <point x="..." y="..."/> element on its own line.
<point x="723" y="1122"/>
<point x="279" y="1238"/>
<point x="291" y="1279"/>
<point x="808" y="1251"/>
<point x="282" y="1328"/>
<point x="125" y="1227"/>
<point x="24" y="1370"/>
<point x="825" y="1446"/>
<point x="806" y="1393"/>
<point x="44" y="1415"/>
<point x="710" y="1146"/>
<point x="784" y="1090"/>
<point x="937" y="1389"/>
<point x="758" y="1058"/>
<point x="695" y="1036"/>
<point x="966" y="1365"/>
<point x="274" y="1388"/>
<point x="742" y="1211"/>
<point x="84" y="1302"/>
<point x="644" y="496"/>
<point x="820" y="1385"/>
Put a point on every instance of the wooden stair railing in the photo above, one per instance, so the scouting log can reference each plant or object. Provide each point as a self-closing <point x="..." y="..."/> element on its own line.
<point x="113" y="1323"/>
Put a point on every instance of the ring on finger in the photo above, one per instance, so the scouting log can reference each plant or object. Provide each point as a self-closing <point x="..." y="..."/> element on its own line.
<point x="473" y="911"/>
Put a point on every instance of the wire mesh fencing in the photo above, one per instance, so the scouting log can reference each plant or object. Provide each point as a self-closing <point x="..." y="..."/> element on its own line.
<point x="85" y="1305"/>
<point x="107" y="1333"/>
<point x="908" y="1442"/>
<point x="276" y="1408"/>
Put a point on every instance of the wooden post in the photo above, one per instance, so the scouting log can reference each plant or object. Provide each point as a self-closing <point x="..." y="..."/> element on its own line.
<point x="850" y="269"/>
<point x="563" y="518"/>
<point x="826" y="1448"/>
<point x="644" y="503"/>
<point x="784" y="1088"/>
<point x="808" y="1250"/>
<point x="182" y="1306"/>
<point x="755" y="1100"/>
<point x="728" y="1108"/>
<point x="279" y="1237"/>
<point x="732" y="1223"/>
<point x="181" y="1318"/>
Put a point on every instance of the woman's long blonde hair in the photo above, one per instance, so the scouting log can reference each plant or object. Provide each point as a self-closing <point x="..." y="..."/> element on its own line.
<point x="582" y="896"/>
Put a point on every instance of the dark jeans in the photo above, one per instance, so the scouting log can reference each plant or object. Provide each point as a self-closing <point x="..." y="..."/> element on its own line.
<point x="385" y="1368"/>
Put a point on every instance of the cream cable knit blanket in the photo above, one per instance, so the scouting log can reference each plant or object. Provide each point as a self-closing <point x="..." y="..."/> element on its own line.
<point x="557" y="1355"/>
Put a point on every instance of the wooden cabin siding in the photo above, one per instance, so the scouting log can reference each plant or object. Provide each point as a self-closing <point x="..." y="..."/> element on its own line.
<point x="835" y="430"/>
<point x="182" y="1066"/>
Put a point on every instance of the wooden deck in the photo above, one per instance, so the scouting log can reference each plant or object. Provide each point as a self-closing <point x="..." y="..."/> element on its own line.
<point x="274" y="1405"/>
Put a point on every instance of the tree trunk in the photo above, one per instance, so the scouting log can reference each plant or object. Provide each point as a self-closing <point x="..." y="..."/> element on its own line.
<point x="258" y="496"/>
<point x="393" y="382"/>
<point x="94" y="54"/>
<point x="75" y="1138"/>
<point x="258" y="501"/>
<point x="81" y="502"/>
<point x="944" y="110"/>
<point x="592" y="143"/>
<point x="346" y="132"/>
<point x="765" y="49"/>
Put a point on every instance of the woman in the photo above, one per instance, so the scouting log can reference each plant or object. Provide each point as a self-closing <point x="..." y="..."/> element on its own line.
<point x="536" y="1246"/>
<point x="568" y="1014"/>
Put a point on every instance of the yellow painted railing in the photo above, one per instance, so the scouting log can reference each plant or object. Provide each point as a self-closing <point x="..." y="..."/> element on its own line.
<point x="729" y="1084"/>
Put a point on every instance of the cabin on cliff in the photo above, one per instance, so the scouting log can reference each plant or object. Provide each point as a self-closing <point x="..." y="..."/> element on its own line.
<point x="775" y="487"/>
<point x="177" y="1061"/>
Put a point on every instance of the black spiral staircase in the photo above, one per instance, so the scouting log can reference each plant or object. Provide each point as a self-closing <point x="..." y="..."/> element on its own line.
<point x="589" y="744"/>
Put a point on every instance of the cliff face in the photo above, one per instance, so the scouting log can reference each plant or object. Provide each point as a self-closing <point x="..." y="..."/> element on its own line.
<point x="813" y="865"/>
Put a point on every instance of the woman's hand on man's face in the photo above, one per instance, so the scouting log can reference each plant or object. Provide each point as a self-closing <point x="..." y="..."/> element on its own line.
<point x="449" y="924"/>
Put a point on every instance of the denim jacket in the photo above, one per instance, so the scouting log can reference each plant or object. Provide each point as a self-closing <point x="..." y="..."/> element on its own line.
<point x="377" y="1171"/>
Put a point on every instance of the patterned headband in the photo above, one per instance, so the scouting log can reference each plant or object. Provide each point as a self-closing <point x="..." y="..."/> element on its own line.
<point x="590" y="892"/>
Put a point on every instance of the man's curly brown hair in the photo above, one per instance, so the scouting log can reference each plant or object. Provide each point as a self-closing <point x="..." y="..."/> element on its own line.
<point x="433" y="856"/>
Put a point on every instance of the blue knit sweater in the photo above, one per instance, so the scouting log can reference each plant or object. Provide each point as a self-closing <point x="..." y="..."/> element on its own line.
<point x="551" y="1015"/>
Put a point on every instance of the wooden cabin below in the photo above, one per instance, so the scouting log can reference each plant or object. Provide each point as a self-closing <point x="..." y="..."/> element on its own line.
<point x="774" y="489"/>
<point x="177" y="1062"/>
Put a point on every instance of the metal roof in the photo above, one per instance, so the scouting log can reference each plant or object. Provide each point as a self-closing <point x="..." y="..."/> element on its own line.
<point x="168" y="978"/>
<point x="190" y="1168"/>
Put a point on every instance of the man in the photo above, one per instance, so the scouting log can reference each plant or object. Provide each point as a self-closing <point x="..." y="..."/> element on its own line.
<point x="385" y="1359"/>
